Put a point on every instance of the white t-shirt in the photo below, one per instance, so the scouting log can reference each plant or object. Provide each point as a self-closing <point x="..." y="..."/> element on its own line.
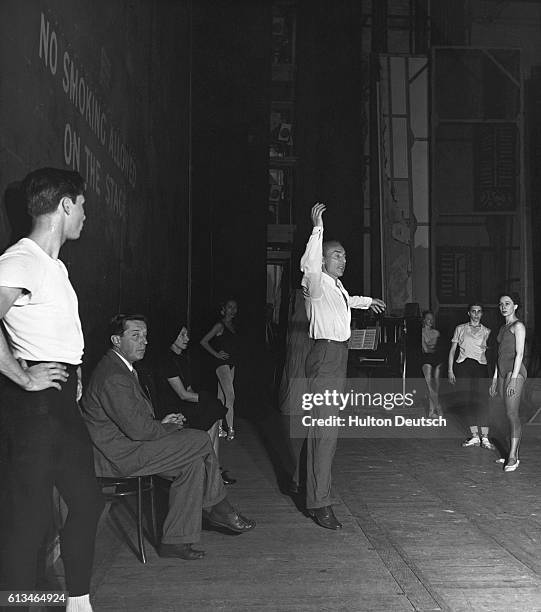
<point x="43" y="324"/>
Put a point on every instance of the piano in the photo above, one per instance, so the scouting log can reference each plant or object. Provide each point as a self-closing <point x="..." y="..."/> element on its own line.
<point x="377" y="345"/>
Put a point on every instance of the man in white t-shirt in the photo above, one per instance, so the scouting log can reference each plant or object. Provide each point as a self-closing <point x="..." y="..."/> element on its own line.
<point x="44" y="441"/>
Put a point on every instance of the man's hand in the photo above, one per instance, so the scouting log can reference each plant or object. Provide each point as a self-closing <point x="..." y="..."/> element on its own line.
<point x="44" y="375"/>
<point x="317" y="214"/>
<point x="79" y="384"/>
<point x="378" y="305"/>
<point x="175" y="417"/>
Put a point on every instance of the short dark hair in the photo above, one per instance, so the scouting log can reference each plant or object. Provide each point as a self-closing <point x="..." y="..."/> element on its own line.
<point x="425" y="312"/>
<point x="515" y="297"/>
<point x="472" y="304"/>
<point x="117" y="325"/>
<point x="44" y="188"/>
<point x="178" y="330"/>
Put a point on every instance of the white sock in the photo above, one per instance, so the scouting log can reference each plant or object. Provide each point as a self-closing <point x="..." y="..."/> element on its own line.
<point x="79" y="604"/>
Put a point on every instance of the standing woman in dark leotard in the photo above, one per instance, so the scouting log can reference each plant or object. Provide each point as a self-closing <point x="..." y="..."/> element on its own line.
<point x="431" y="362"/>
<point x="225" y="349"/>
<point x="510" y="372"/>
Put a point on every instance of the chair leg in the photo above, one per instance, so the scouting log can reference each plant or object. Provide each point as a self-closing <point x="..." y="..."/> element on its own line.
<point x="139" y="517"/>
<point x="153" y="512"/>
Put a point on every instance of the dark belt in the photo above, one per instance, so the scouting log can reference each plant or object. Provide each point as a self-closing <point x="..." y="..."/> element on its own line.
<point x="343" y="342"/>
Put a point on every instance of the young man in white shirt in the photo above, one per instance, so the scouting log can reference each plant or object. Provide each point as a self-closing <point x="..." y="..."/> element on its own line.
<point x="44" y="441"/>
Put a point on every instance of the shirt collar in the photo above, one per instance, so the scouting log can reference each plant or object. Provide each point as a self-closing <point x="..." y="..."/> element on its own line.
<point x="128" y="364"/>
<point x="332" y="281"/>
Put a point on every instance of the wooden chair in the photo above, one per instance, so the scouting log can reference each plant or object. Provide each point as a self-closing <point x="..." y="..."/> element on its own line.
<point x="133" y="486"/>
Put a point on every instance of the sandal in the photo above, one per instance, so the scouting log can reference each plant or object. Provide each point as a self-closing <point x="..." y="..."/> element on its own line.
<point x="230" y="434"/>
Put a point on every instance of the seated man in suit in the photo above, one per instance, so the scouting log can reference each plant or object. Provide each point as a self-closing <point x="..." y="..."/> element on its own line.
<point x="129" y="441"/>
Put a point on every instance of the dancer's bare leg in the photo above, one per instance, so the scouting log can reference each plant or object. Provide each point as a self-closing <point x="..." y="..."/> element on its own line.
<point x="226" y="392"/>
<point x="512" y="405"/>
<point x="432" y="394"/>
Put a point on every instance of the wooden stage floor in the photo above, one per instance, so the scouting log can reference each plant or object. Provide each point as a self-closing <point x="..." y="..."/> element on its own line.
<point x="428" y="525"/>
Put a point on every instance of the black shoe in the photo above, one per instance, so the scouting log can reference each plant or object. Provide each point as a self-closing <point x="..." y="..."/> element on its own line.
<point x="325" y="517"/>
<point x="180" y="551"/>
<point x="227" y="480"/>
<point x="232" y="521"/>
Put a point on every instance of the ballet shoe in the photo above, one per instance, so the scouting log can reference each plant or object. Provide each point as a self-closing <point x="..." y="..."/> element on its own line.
<point x="512" y="467"/>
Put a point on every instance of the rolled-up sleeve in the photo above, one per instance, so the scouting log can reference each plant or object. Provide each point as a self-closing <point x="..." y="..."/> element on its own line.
<point x="19" y="270"/>
<point x="458" y="336"/>
<point x="359" y="301"/>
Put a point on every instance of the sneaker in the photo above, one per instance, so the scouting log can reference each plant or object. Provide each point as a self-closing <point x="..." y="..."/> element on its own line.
<point x="473" y="441"/>
<point x="486" y="443"/>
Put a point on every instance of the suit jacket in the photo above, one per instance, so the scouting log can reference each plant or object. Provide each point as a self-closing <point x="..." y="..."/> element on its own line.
<point x="120" y="418"/>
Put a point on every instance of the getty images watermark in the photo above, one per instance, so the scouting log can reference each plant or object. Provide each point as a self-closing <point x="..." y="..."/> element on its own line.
<point x="369" y="408"/>
<point x="387" y="401"/>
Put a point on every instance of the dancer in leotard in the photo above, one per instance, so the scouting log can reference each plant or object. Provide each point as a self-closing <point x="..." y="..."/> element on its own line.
<point x="431" y="362"/>
<point x="510" y="372"/>
<point x="226" y="351"/>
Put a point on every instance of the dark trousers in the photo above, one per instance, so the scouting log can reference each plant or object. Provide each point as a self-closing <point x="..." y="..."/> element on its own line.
<point x="44" y="443"/>
<point x="326" y="367"/>
<point x="185" y="457"/>
<point x="473" y="383"/>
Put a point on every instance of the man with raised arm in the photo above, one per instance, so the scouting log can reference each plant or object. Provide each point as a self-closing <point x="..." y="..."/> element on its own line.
<point x="43" y="440"/>
<point x="328" y="307"/>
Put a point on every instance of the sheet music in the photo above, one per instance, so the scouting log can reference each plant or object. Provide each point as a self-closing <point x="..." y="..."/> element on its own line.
<point x="364" y="339"/>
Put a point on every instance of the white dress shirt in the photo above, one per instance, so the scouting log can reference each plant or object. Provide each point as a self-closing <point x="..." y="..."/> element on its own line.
<point x="327" y="301"/>
<point x="128" y="364"/>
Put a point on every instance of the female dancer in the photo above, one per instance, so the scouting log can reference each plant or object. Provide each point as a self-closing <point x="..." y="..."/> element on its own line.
<point x="510" y="372"/>
<point x="431" y="362"/>
<point x="225" y="351"/>
<point x="471" y="366"/>
<point x="201" y="410"/>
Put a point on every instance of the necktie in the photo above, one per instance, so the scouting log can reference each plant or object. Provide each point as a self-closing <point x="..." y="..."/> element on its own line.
<point x="339" y="285"/>
<point x="144" y="389"/>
